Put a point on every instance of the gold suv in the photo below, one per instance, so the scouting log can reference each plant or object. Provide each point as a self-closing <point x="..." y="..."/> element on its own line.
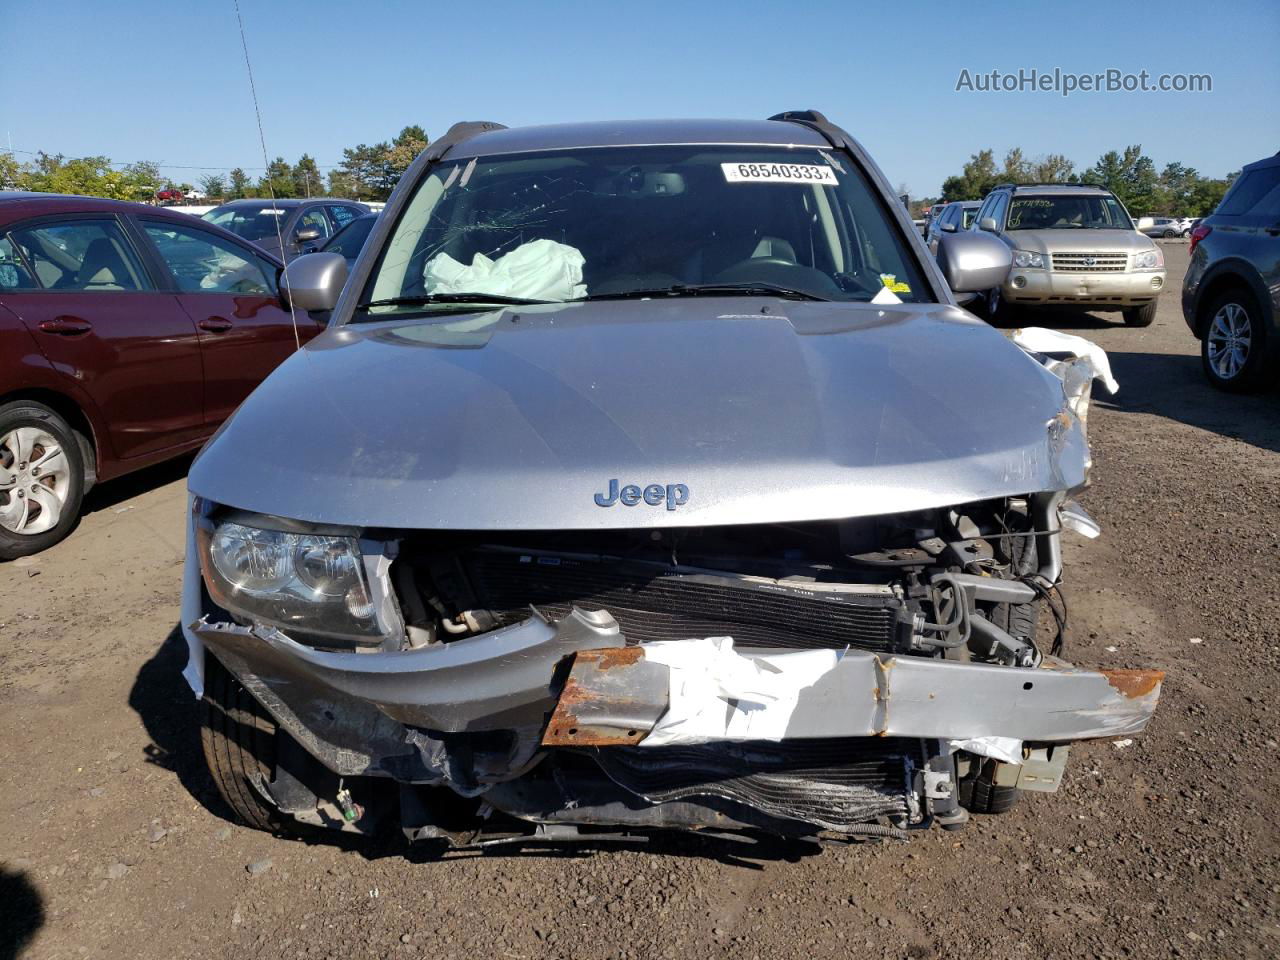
<point x="1075" y="246"/>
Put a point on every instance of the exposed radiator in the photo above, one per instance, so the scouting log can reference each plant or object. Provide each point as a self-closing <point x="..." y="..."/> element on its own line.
<point x="652" y="602"/>
<point x="831" y="783"/>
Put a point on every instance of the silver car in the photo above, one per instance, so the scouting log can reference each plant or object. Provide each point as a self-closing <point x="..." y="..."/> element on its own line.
<point x="1167" y="227"/>
<point x="1074" y="247"/>
<point x="957" y="215"/>
<point x="647" y="476"/>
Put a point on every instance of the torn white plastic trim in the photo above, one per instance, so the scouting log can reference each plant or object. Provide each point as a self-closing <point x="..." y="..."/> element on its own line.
<point x="1042" y="340"/>
<point x="716" y="693"/>
<point x="1004" y="749"/>
<point x="193" y="672"/>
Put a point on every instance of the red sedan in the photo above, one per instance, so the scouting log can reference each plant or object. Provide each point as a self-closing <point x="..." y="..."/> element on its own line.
<point x="127" y="335"/>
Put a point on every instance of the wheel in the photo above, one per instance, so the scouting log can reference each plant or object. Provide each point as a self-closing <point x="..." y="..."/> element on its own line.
<point x="41" y="478"/>
<point x="1233" y="348"/>
<point x="239" y="741"/>
<point x="1169" y="234"/>
<point x="998" y="311"/>
<point x="1142" y="316"/>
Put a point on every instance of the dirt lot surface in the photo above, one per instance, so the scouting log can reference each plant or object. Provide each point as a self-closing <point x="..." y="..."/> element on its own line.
<point x="115" y="844"/>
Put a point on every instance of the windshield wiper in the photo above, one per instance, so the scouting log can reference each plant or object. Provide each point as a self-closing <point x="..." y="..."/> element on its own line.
<point x="745" y="289"/>
<point x="424" y="298"/>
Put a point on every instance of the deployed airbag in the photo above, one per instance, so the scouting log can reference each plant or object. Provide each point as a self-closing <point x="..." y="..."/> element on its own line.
<point x="538" y="270"/>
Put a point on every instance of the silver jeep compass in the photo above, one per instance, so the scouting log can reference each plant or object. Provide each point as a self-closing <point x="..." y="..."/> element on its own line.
<point x="1073" y="246"/>
<point x="647" y="476"/>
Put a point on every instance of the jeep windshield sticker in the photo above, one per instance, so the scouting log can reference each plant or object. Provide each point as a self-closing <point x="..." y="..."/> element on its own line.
<point x="779" y="173"/>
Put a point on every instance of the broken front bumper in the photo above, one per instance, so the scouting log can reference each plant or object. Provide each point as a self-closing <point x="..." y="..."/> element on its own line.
<point x="381" y="712"/>
<point x="637" y="695"/>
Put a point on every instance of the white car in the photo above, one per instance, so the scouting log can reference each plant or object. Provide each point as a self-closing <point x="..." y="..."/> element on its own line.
<point x="196" y="195"/>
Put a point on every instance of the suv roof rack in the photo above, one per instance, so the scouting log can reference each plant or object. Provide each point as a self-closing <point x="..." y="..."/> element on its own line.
<point x="1059" y="183"/>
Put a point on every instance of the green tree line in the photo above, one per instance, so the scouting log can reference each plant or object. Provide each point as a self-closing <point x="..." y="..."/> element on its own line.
<point x="1176" y="191"/>
<point x="367" y="172"/>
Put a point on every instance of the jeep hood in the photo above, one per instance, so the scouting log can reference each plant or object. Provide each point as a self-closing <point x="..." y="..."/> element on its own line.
<point x="765" y="410"/>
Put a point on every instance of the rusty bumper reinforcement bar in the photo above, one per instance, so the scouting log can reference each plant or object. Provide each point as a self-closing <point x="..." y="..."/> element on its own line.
<point x="617" y="697"/>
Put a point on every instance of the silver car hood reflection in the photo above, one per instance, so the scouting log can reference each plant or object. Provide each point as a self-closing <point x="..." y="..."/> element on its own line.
<point x="763" y="410"/>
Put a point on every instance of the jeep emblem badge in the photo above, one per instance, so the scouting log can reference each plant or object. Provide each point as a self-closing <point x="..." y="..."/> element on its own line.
<point x="655" y="494"/>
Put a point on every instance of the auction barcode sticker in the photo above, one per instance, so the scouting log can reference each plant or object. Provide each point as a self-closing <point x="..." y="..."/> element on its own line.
<point x="778" y="173"/>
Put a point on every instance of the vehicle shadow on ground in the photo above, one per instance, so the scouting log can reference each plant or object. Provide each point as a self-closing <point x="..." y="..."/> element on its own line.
<point x="163" y="701"/>
<point x="171" y="715"/>
<point x="114" y="492"/>
<point x="1173" y="386"/>
<point x="21" y="913"/>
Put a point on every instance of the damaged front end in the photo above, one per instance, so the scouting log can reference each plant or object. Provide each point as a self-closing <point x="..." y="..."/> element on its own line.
<point x="823" y="679"/>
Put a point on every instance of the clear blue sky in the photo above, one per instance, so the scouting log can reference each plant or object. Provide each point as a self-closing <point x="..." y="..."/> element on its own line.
<point x="164" y="81"/>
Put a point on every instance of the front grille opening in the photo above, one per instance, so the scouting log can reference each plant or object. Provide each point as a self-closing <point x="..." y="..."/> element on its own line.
<point x="652" y="603"/>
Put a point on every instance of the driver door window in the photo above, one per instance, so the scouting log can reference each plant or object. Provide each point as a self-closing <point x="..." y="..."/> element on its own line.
<point x="230" y="293"/>
<point x="998" y="209"/>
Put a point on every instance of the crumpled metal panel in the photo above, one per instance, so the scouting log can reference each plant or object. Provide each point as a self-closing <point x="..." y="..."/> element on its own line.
<point x="498" y="680"/>
<point x="516" y="419"/>
<point x="620" y="697"/>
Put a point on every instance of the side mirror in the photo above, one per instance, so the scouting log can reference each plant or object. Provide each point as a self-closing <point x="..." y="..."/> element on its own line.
<point x="948" y="228"/>
<point x="314" y="281"/>
<point x="972" y="261"/>
<point x="988" y="224"/>
<point x="305" y="234"/>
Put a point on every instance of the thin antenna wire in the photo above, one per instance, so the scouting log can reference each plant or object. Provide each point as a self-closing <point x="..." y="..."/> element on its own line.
<point x="297" y="340"/>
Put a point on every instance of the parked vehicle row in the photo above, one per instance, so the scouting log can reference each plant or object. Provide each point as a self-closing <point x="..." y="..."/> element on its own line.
<point x="286" y="228"/>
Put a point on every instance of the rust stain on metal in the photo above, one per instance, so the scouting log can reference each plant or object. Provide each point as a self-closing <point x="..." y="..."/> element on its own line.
<point x="610" y="657"/>
<point x="566" y="729"/>
<point x="1134" y="683"/>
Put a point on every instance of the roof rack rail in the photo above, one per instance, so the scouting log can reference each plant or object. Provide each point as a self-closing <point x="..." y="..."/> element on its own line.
<point x="1048" y="183"/>
<point x="465" y="130"/>
<point x="803" y="116"/>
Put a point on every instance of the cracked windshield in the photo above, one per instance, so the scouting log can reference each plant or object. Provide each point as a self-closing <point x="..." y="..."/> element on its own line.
<point x="613" y="223"/>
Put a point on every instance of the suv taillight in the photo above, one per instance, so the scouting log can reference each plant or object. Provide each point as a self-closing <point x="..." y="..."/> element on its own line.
<point x="1198" y="234"/>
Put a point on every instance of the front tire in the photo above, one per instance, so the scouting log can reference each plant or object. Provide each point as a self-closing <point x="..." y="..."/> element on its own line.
<point x="998" y="310"/>
<point x="1233" y="350"/>
<point x="41" y="478"/>
<point x="239" y="741"/>
<point x="1142" y="316"/>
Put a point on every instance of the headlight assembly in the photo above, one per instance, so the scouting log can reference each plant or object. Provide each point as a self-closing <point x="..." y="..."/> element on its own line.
<point x="1027" y="258"/>
<point x="1149" y="260"/>
<point x="302" y="583"/>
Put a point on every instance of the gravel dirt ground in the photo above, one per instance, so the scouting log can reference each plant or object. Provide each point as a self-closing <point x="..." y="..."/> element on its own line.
<point x="116" y="845"/>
